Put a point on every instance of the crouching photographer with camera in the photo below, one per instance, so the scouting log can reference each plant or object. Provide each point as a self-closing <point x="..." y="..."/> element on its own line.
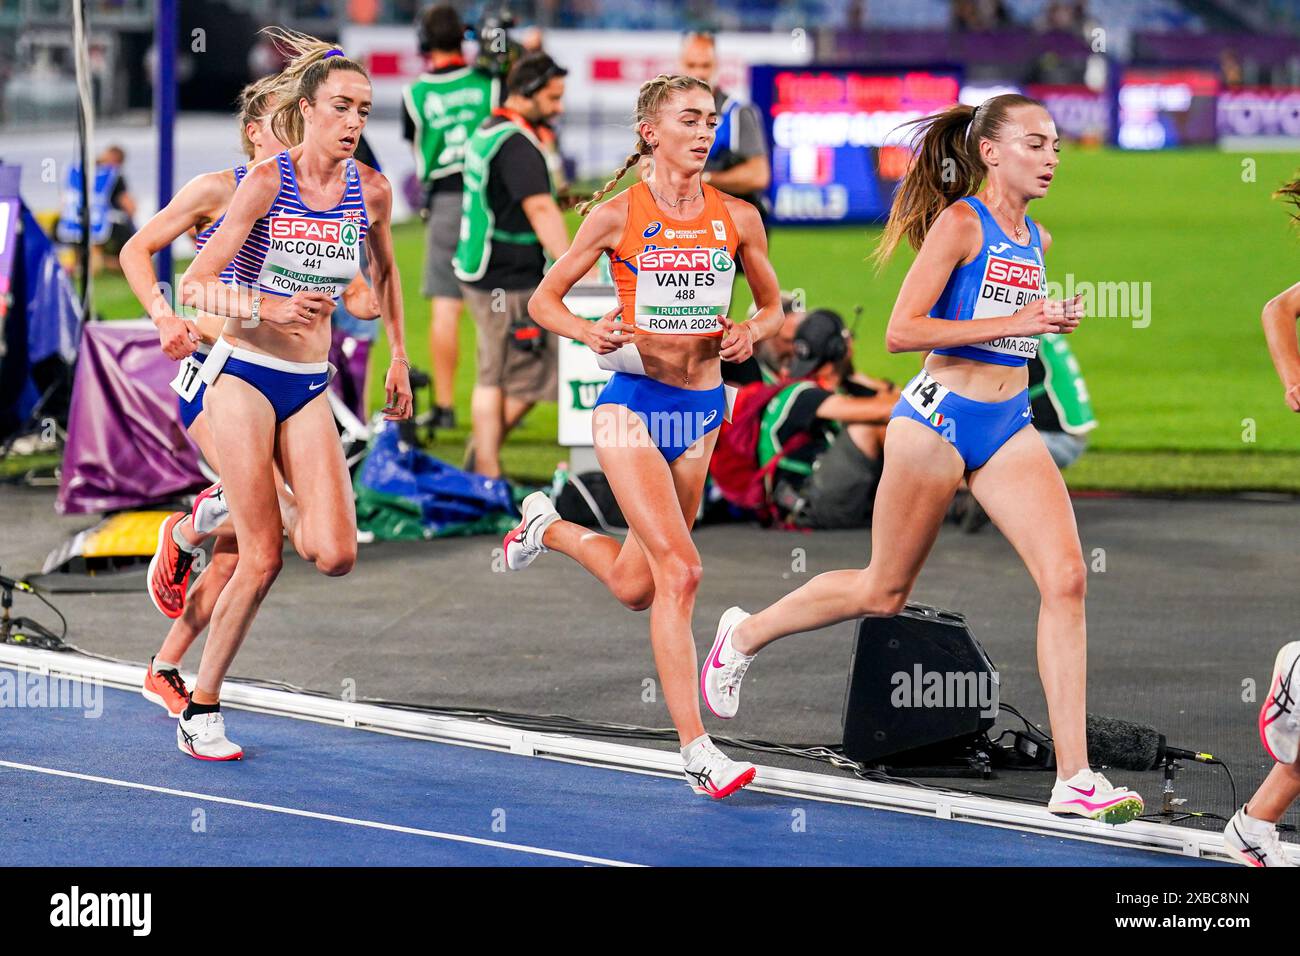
<point x="826" y="427"/>
<point x="510" y="224"/>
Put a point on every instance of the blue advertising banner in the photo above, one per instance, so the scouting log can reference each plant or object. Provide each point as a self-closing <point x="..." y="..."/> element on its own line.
<point x="839" y="135"/>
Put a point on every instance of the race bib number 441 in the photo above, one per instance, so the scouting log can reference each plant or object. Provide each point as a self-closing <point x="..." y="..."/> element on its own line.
<point x="683" y="291"/>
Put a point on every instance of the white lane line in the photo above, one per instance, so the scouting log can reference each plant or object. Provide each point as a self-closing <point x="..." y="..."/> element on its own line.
<point x="332" y="818"/>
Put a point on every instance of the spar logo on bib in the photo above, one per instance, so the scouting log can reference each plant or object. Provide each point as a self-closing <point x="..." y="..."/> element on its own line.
<point x="674" y="260"/>
<point x="313" y="230"/>
<point x="1009" y="285"/>
<point x="685" y="260"/>
<point x="1022" y="275"/>
<point x="348" y="234"/>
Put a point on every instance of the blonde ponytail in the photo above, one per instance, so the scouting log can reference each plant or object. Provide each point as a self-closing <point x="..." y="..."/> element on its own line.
<point x="586" y="205"/>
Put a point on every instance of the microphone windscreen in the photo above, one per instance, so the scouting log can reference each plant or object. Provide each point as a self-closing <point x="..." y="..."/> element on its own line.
<point x="1122" y="744"/>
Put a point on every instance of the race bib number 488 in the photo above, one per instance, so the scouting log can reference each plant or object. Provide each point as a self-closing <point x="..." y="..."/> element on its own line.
<point x="683" y="291"/>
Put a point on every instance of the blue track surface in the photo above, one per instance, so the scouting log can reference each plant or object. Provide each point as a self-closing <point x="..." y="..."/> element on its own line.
<point x="447" y="791"/>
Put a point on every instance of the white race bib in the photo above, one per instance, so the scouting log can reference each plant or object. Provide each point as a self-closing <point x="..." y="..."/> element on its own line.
<point x="312" y="255"/>
<point x="1007" y="286"/>
<point x="683" y="291"/>
<point x="924" y="394"/>
<point x="1024" y="346"/>
<point x="187" y="381"/>
<point x="626" y="358"/>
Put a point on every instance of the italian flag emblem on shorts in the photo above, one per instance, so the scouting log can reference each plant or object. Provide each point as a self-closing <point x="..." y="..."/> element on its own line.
<point x="936" y="419"/>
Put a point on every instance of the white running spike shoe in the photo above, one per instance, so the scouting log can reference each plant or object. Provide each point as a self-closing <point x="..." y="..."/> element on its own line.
<point x="210" y="509"/>
<point x="1089" y="794"/>
<point x="724" y="668"/>
<point x="523" y="543"/>
<point x="1279" y="718"/>
<point x="1254" y="842"/>
<point x="711" y="772"/>
<point x="204" y="736"/>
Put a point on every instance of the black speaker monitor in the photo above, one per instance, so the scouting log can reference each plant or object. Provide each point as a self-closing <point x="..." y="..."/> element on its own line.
<point x="920" y="688"/>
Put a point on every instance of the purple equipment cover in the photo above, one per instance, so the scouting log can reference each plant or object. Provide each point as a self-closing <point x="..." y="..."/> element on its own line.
<point x="126" y="445"/>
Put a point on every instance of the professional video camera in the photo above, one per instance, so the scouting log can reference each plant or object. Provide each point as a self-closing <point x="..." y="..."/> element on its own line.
<point x="497" y="52"/>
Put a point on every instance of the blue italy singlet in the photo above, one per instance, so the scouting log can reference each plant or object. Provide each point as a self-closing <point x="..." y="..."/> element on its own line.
<point x="1004" y="278"/>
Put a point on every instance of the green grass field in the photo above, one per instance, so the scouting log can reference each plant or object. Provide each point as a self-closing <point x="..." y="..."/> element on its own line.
<point x="1183" y="388"/>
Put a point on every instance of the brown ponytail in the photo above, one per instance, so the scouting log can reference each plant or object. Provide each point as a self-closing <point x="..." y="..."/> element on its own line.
<point x="650" y="99"/>
<point x="1291" y="193"/>
<point x="946" y="167"/>
<point x="308" y="67"/>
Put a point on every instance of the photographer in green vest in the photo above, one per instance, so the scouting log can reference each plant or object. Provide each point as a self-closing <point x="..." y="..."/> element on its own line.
<point x="1057" y="394"/>
<point x="442" y="108"/>
<point x="826" y="428"/>
<point x="510" y="224"/>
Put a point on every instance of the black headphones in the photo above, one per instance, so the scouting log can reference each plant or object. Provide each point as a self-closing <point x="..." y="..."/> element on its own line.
<point x="533" y="86"/>
<point x="835" y="347"/>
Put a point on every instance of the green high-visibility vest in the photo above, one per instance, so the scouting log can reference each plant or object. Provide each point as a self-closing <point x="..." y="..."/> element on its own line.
<point x="1064" y="385"/>
<point x="773" y="419"/>
<point x="478" y="228"/>
<point x="446" y="108"/>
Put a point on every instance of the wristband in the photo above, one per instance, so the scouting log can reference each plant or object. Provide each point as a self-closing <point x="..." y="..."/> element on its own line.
<point x="255" y="313"/>
<point x="405" y="362"/>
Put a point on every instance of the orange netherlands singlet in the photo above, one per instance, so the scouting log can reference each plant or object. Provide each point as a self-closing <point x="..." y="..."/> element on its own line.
<point x="674" y="276"/>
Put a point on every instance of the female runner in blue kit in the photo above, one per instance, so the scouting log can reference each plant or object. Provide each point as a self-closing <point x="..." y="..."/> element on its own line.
<point x="975" y="300"/>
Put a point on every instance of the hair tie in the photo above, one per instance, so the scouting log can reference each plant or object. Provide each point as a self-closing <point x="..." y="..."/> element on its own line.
<point x="334" y="52"/>
<point x="971" y="122"/>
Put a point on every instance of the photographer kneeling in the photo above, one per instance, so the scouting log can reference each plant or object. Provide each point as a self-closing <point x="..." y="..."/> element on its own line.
<point x="827" y="427"/>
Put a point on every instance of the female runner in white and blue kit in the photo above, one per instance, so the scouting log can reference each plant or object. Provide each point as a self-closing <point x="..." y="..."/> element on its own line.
<point x="975" y="300"/>
<point x="199" y="206"/>
<point x="294" y="232"/>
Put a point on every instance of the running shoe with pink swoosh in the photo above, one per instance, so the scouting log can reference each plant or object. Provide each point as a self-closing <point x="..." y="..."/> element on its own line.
<point x="1089" y="794"/>
<point x="724" y="668"/>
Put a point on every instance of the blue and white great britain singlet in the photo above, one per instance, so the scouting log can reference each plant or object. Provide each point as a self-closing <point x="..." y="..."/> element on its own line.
<point x="294" y="249"/>
<point x="1004" y="278"/>
<point x="202" y="236"/>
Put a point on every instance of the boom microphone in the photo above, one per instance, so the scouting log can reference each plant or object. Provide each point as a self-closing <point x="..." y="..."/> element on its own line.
<point x="10" y="583"/>
<point x="1125" y="745"/>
